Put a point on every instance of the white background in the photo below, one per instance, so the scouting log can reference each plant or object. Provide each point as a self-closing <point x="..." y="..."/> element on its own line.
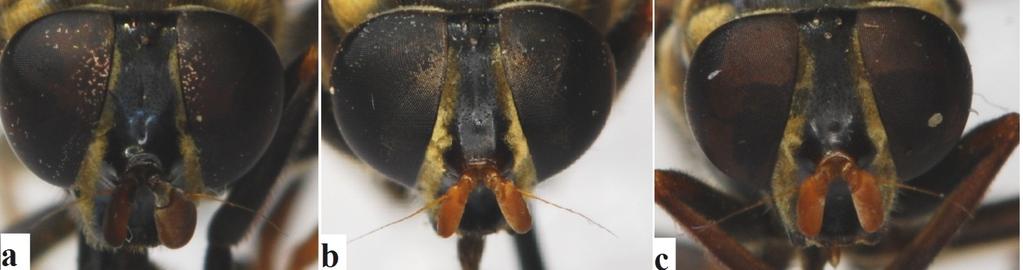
<point x="992" y="43"/>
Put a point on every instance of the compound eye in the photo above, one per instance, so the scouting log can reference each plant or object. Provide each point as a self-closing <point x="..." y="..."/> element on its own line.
<point x="387" y="80"/>
<point x="232" y="88"/>
<point x="922" y="83"/>
<point x="562" y="80"/>
<point x="738" y="91"/>
<point x="55" y="72"/>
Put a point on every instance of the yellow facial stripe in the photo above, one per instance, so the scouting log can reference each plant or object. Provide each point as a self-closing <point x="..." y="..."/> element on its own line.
<point x="883" y="167"/>
<point x="194" y="183"/>
<point x="523" y="170"/>
<point x="433" y="167"/>
<point x="89" y="172"/>
<point x="783" y="179"/>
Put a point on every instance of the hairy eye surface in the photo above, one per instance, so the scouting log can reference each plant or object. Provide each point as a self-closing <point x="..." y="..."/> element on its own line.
<point x="232" y="88"/>
<point x="738" y="93"/>
<point x="922" y="83"/>
<point x="562" y="81"/>
<point x="391" y="71"/>
<point x="387" y="82"/>
<point x="55" y="72"/>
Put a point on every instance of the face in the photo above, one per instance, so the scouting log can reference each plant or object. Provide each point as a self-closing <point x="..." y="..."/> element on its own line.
<point x="148" y="105"/>
<point x="832" y="113"/>
<point x="981" y="39"/>
<point x="481" y="109"/>
<point x="583" y="185"/>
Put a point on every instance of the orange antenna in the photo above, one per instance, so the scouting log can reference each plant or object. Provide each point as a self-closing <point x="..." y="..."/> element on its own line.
<point x="449" y="216"/>
<point x="510" y="201"/>
<point x="866" y="194"/>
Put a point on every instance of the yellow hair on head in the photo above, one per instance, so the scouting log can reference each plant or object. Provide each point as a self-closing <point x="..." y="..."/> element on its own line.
<point x="430" y="173"/>
<point x="701" y="24"/>
<point x="523" y="169"/>
<point x="18" y="14"/>
<point x="257" y="12"/>
<point x="349" y="13"/>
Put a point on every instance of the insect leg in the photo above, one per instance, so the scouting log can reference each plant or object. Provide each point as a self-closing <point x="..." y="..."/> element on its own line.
<point x="991" y="222"/>
<point x="252" y="189"/>
<point x="689" y="256"/>
<point x="813" y="258"/>
<point x="733" y="215"/>
<point x="306" y="253"/>
<point x="663" y="10"/>
<point x="675" y="192"/>
<point x="48" y="227"/>
<point x="470" y="251"/>
<point x="296" y="34"/>
<point x="628" y="36"/>
<point x="9" y="167"/>
<point x="528" y="250"/>
<point x="331" y="133"/>
<point x="269" y="236"/>
<point x="975" y="161"/>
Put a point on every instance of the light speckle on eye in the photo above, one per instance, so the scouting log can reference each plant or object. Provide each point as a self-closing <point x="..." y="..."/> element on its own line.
<point x="713" y="74"/>
<point x="935" y="120"/>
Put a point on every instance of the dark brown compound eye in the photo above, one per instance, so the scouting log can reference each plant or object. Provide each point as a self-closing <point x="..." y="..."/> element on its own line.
<point x="922" y="83"/>
<point x="562" y="80"/>
<point x="387" y="80"/>
<point x="738" y="91"/>
<point x="55" y="72"/>
<point x="232" y="88"/>
<point x="390" y="72"/>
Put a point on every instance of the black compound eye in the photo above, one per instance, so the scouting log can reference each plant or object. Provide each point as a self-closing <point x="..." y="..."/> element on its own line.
<point x="387" y="80"/>
<point x="232" y="88"/>
<point x="562" y="80"/>
<point x="390" y="72"/>
<point x="738" y="91"/>
<point x="55" y="72"/>
<point x="922" y="83"/>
